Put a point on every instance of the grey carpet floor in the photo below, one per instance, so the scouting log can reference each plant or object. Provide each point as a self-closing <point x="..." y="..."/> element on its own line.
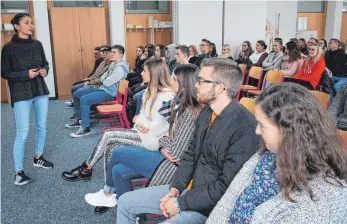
<point x="49" y="199"/>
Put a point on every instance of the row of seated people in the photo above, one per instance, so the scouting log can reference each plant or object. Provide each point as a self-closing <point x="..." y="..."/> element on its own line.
<point x="296" y="67"/>
<point x="101" y="85"/>
<point x="200" y="146"/>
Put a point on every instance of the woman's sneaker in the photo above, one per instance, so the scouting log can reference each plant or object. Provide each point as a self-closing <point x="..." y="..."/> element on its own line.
<point x="79" y="173"/>
<point x="75" y="124"/>
<point x="100" y="199"/>
<point x="21" y="179"/>
<point x="81" y="132"/>
<point x="41" y="162"/>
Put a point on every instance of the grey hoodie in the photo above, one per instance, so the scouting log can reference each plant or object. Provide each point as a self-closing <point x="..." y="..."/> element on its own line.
<point x="111" y="78"/>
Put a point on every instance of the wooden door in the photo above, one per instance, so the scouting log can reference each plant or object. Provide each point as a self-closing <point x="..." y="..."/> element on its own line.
<point x="66" y="41"/>
<point x="93" y="28"/>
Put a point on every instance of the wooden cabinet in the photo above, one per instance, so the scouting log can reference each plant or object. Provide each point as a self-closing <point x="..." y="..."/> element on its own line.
<point x="75" y="33"/>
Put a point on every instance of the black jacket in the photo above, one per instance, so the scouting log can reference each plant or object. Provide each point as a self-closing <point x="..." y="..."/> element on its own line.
<point x="17" y="57"/>
<point x="336" y="62"/>
<point x="215" y="156"/>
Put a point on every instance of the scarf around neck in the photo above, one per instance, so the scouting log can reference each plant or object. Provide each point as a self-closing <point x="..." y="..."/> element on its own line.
<point x="263" y="187"/>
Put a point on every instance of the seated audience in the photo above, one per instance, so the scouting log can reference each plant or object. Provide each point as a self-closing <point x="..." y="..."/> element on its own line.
<point x="274" y="59"/>
<point x="338" y="109"/>
<point x="323" y="44"/>
<point x="226" y="52"/>
<point x="135" y="77"/>
<point x="246" y="52"/>
<point x="224" y="139"/>
<point x="303" y="47"/>
<point x="160" y="51"/>
<point x="312" y="41"/>
<point x="213" y="50"/>
<point x="98" y="59"/>
<point x="205" y="49"/>
<point x="130" y="162"/>
<point x="138" y="62"/>
<point x="182" y="54"/>
<point x="257" y="58"/>
<point x="336" y="62"/>
<point x="94" y="79"/>
<point x="312" y="70"/>
<point x="300" y="173"/>
<point x="85" y="97"/>
<point x="150" y="126"/>
<point x="193" y="54"/>
<point x="291" y="60"/>
<point x="170" y="57"/>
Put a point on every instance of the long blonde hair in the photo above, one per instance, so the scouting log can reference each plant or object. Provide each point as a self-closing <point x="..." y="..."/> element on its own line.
<point x="159" y="79"/>
<point x="320" y="53"/>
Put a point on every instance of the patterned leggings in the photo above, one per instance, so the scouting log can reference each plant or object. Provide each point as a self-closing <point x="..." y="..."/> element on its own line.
<point x="111" y="139"/>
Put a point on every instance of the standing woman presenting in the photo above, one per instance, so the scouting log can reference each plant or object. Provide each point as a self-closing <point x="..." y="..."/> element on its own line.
<point x="24" y="66"/>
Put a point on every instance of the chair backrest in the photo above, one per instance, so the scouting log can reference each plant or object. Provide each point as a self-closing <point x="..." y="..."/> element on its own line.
<point x="122" y="94"/>
<point x="255" y="72"/>
<point x="274" y="77"/>
<point x="323" y="98"/>
<point x="243" y="68"/>
<point x="248" y="103"/>
<point x="122" y="85"/>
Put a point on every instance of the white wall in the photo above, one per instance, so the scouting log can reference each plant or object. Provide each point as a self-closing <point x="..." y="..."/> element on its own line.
<point x="244" y="20"/>
<point x="288" y="14"/>
<point x="333" y="20"/>
<point x="117" y="28"/>
<point x="43" y="35"/>
<point x="198" y="20"/>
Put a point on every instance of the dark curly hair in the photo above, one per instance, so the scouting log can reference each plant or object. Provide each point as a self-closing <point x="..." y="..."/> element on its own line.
<point x="310" y="145"/>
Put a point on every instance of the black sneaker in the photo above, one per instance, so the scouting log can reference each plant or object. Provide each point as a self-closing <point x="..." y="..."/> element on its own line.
<point x="75" y="124"/>
<point x="79" y="173"/>
<point x="41" y="162"/>
<point x="69" y="104"/>
<point x="81" y="132"/>
<point x="21" y="179"/>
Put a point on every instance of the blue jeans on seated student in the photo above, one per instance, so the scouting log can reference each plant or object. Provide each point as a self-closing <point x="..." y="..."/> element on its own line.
<point x="86" y="97"/>
<point x="127" y="163"/>
<point x="139" y="102"/>
<point x="76" y="87"/>
<point x="339" y="82"/>
<point x="146" y="200"/>
<point x="22" y="117"/>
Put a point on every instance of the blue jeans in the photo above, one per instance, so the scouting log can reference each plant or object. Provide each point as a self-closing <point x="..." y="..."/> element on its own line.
<point x="127" y="163"/>
<point x="339" y="82"/>
<point x="22" y="117"/>
<point x="139" y="102"/>
<point x="146" y="200"/>
<point x="76" y="87"/>
<point x="86" y="97"/>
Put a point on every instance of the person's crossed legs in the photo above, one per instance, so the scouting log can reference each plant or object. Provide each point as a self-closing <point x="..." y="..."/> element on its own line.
<point x="146" y="200"/>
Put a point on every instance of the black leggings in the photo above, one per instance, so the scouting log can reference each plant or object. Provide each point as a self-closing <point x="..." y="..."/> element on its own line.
<point x="300" y="82"/>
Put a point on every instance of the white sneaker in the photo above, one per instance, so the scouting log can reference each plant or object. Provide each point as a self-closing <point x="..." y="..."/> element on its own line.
<point x="100" y="199"/>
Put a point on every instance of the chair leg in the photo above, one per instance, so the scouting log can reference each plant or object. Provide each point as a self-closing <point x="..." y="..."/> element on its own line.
<point x="125" y="118"/>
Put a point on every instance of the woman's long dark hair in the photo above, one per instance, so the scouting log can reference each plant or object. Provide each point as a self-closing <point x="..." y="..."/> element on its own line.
<point x="150" y="50"/>
<point x="310" y="144"/>
<point x="293" y="51"/>
<point x="162" y="50"/>
<point x="17" y="18"/>
<point x="250" y="50"/>
<point x="186" y="92"/>
<point x="214" y="50"/>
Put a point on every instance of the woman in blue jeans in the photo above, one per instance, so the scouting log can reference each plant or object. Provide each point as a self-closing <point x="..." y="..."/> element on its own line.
<point x="24" y="66"/>
<point x="131" y="162"/>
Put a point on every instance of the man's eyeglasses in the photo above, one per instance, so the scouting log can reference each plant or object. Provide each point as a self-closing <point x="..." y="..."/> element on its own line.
<point x="206" y="81"/>
<point x="203" y="45"/>
<point x="244" y="45"/>
<point x="113" y="52"/>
